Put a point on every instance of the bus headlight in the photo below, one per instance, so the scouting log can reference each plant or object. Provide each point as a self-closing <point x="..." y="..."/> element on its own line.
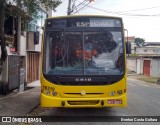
<point x="54" y="93"/>
<point x="113" y="93"/>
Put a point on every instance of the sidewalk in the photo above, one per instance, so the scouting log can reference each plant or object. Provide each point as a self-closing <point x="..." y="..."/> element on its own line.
<point x="20" y="103"/>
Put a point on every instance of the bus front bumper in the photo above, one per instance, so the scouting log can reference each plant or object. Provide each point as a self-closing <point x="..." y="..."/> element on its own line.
<point x="48" y="101"/>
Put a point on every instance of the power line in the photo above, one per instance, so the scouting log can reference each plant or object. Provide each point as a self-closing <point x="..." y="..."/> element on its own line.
<point x="81" y="3"/>
<point x="121" y="13"/>
<point x="118" y="13"/>
<point x="139" y="9"/>
<point x="80" y="8"/>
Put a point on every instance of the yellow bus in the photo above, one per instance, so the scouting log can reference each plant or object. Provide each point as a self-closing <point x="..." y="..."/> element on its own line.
<point x="83" y="62"/>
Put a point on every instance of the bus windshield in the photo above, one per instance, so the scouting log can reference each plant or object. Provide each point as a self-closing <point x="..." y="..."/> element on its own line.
<point x="83" y="52"/>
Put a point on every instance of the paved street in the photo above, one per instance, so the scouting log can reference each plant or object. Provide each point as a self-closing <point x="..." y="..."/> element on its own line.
<point x="143" y="100"/>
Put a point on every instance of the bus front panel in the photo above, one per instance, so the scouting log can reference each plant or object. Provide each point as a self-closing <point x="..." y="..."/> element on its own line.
<point x="83" y="63"/>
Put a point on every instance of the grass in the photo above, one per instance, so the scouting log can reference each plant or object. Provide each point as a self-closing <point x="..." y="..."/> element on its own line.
<point x="147" y="79"/>
<point x="134" y="54"/>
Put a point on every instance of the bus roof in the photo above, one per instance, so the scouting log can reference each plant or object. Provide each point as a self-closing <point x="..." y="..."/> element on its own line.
<point x="71" y="16"/>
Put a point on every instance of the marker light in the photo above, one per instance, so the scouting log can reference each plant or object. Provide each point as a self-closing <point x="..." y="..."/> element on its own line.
<point x="49" y="23"/>
<point x="54" y="93"/>
<point x="112" y="93"/>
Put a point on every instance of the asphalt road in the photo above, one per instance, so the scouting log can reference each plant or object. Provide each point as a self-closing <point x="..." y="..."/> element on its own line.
<point x="143" y="100"/>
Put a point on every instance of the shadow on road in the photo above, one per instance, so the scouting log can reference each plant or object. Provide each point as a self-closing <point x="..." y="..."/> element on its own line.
<point x="79" y="112"/>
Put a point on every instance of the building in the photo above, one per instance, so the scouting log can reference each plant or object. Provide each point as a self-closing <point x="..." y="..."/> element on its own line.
<point x="33" y="46"/>
<point x="23" y="37"/>
<point x="147" y="61"/>
<point x="149" y="48"/>
<point x="145" y="65"/>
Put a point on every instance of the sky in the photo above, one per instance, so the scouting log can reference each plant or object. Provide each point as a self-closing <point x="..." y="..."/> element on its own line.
<point x="144" y="24"/>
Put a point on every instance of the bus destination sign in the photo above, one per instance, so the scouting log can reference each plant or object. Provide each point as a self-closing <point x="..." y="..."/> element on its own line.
<point x="85" y="22"/>
<point x="97" y="23"/>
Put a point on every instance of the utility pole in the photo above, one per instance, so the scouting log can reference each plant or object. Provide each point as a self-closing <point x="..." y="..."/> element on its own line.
<point x="69" y="8"/>
<point x="78" y="7"/>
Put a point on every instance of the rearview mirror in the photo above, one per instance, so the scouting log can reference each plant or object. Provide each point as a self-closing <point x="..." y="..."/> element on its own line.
<point x="128" y="48"/>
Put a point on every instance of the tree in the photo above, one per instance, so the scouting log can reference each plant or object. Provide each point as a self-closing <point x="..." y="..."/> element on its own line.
<point x="139" y="41"/>
<point x="30" y="7"/>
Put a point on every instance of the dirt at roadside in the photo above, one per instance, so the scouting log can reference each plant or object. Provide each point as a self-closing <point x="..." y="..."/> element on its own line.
<point x="144" y="78"/>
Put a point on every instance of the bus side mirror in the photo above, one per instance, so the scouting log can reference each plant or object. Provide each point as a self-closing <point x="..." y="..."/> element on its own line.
<point x="36" y="37"/>
<point x="128" y="48"/>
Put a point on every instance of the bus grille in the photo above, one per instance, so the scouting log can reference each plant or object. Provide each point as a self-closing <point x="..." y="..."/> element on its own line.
<point x="91" y="102"/>
<point x="68" y="95"/>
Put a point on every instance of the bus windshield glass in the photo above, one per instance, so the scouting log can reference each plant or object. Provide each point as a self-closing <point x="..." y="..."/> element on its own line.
<point x="83" y="52"/>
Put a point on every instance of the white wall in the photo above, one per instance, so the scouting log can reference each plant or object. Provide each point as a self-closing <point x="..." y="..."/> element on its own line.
<point x="23" y="45"/>
<point x="141" y="70"/>
<point x="155" y="68"/>
<point x="136" y="65"/>
<point x="138" y="68"/>
<point x="150" y="50"/>
<point x="132" y="47"/>
<point x="131" y="64"/>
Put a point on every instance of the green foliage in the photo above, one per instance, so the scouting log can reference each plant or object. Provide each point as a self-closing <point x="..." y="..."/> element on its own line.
<point x="139" y="41"/>
<point x="31" y="7"/>
<point x="134" y="54"/>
